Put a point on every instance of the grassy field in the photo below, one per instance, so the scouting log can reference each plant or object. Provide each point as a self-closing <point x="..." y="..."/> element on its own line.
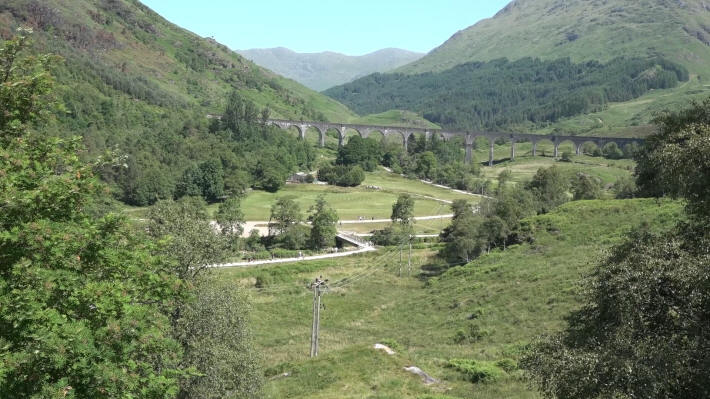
<point x="510" y="296"/>
<point x="523" y="168"/>
<point x="351" y="203"/>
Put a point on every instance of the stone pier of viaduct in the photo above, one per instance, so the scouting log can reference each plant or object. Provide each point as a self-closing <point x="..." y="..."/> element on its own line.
<point x="405" y="133"/>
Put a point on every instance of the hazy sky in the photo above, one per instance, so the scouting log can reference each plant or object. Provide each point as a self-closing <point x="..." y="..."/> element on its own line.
<point x="353" y="27"/>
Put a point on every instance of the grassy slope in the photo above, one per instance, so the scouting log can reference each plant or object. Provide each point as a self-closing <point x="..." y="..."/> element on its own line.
<point x="519" y="293"/>
<point x="604" y="30"/>
<point x="525" y="166"/>
<point x="395" y="118"/>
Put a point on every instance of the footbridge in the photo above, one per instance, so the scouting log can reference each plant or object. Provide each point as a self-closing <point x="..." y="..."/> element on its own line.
<point x="407" y="133"/>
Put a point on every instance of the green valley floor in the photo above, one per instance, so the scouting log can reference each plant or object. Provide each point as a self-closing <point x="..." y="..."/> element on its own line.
<point x="486" y="311"/>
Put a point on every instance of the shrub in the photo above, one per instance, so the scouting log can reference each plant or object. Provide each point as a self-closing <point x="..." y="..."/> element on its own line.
<point x="476" y="372"/>
<point x="263" y="281"/>
<point x="625" y="187"/>
<point x="342" y="175"/>
<point x="474" y="333"/>
<point x="508" y="365"/>
<point x="566" y="157"/>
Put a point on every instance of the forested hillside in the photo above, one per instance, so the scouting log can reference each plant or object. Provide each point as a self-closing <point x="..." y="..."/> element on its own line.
<point x="131" y="82"/>
<point x="321" y="71"/>
<point x="500" y="93"/>
<point x="583" y="31"/>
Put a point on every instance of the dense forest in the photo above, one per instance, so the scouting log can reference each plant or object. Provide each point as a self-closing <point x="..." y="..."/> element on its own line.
<point x="132" y="84"/>
<point x="501" y="93"/>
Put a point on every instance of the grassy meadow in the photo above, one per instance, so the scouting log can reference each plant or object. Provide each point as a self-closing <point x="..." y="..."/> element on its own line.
<point x="507" y="297"/>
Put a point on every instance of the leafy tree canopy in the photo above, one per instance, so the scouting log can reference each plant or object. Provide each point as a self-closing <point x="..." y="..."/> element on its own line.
<point x="83" y="302"/>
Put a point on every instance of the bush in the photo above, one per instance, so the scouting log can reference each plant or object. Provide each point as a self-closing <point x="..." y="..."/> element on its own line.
<point x="566" y="157"/>
<point x="508" y="365"/>
<point x="263" y="281"/>
<point x="474" y="333"/>
<point x="342" y="175"/>
<point x="476" y="372"/>
<point x="624" y="188"/>
<point x="295" y="237"/>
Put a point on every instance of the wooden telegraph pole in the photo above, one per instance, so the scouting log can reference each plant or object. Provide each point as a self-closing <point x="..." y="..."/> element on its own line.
<point x="318" y="286"/>
<point x="409" y="259"/>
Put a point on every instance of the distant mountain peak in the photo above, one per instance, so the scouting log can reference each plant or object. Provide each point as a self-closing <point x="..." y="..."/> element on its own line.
<point x="323" y="70"/>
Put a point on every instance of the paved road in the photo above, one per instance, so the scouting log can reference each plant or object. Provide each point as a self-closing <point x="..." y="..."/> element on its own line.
<point x="301" y="259"/>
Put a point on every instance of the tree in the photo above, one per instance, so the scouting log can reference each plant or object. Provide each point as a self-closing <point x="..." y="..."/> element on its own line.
<point x="215" y="329"/>
<point x="642" y="332"/>
<point x="643" y="329"/>
<point x="230" y="218"/>
<point x="612" y="151"/>
<point x="294" y="237"/>
<point x="239" y="114"/>
<point x="323" y="220"/>
<point x="426" y="165"/>
<point x="624" y="187"/>
<point x="190" y="183"/>
<point x="285" y="212"/>
<point x="359" y="151"/>
<point x="403" y="210"/>
<point x="269" y="174"/>
<point x="549" y="186"/>
<point x="145" y="184"/>
<point x="204" y="180"/>
<point x="212" y="180"/>
<point x="462" y="237"/>
<point x="586" y="187"/>
<point x="254" y="241"/>
<point x="82" y="298"/>
<point x="505" y="176"/>
<point x="191" y="240"/>
<point x="342" y="175"/>
<point x="25" y="85"/>
<point x="496" y="230"/>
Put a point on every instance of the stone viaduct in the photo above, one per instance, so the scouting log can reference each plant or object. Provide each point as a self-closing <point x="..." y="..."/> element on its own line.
<point x="405" y="133"/>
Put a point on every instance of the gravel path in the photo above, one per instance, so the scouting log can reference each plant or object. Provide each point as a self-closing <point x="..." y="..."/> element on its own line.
<point x="301" y="259"/>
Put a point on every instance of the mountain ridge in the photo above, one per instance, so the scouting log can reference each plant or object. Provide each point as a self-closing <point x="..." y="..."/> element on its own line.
<point x="583" y="30"/>
<point x="322" y="70"/>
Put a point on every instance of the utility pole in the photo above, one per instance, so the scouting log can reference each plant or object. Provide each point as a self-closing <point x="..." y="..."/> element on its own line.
<point x="399" y="274"/>
<point x="409" y="259"/>
<point x="318" y="286"/>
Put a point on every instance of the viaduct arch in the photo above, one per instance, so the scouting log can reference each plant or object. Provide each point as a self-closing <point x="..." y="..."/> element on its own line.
<point x="404" y="133"/>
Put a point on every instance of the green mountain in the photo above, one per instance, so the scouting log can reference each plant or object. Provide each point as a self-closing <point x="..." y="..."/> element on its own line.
<point x="132" y="82"/>
<point x="504" y="95"/>
<point x="320" y="71"/>
<point x="582" y="30"/>
<point x="598" y="31"/>
<point x="121" y="47"/>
